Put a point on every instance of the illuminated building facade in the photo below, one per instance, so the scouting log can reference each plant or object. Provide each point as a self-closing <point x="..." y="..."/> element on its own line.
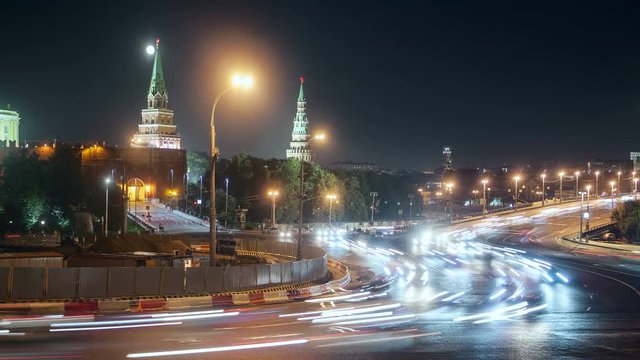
<point x="299" y="147"/>
<point x="157" y="129"/>
<point x="9" y="127"/>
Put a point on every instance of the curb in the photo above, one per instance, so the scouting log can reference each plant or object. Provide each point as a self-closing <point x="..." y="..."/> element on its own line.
<point x="252" y="297"/>
<point x="594" y="245"/>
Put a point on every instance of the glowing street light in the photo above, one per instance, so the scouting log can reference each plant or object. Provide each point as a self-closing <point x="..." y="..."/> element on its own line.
<point x="237" y="81"/>
<point x="484" y="196"/>
<point x="331" y="198"/>
<point x="543" y="189"/>
<point x="612" y="183"/>
<point x="597" y="175"/>
<point x="515" y="196"/>
<point x="561" y="174"/>
<point x="107" y="181"/>
<point x="273" y="195"/>
<point x="373" y="195"/>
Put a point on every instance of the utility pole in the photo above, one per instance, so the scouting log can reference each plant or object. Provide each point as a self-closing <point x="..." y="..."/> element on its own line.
<point x="226" y="201"/>
<point x="410" y="206"/>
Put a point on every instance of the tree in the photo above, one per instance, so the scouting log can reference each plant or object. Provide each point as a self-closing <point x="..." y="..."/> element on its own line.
<point x="198" y="164"/>
<point x="627" y="215"/>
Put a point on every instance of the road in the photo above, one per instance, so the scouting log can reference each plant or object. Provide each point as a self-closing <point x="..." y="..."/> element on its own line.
<point x="502" y="287"/>
<point x="173" y="222"/>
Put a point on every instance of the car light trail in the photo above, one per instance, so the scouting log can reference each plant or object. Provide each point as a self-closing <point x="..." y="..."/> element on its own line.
<point x="340" y="297"/>
<point x="218" y="349"/>
<point x="351" y="317"/>
<point x="380" y="319"/>
<point x="562" y="277"/>
<point x="454" y="296"/>
<point x="497" y="294"/>
<point x="116" y="327"/>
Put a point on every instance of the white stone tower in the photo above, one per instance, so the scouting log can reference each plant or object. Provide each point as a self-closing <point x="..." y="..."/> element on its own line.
<point x="299" y="146"/>
<point x="157" y="129"/>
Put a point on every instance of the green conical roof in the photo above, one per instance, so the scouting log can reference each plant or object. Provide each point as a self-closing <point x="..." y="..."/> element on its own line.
<point x="157" y="85"/>
<point x="301" y="95"/>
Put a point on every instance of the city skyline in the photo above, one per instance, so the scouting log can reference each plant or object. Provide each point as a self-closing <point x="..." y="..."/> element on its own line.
<point x="474" y="104"/>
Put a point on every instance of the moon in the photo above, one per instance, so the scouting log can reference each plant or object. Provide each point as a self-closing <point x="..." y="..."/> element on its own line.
<point x="151" y="49"/>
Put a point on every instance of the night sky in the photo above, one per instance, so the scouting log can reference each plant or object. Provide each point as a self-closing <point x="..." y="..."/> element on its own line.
<point x="390" y="82"/>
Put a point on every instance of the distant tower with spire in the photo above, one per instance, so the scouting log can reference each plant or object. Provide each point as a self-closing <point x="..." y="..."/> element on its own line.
<point x="299" y="146"/>
<point x="157" y="129"/>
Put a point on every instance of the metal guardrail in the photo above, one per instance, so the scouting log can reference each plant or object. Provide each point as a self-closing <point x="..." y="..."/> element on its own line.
<point x="140" y="222"/>
<point x="600" y="229"/>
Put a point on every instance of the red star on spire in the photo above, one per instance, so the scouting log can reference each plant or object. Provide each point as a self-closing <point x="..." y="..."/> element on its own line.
<point x="157" y="42"/>
<point x="301" y="79"/>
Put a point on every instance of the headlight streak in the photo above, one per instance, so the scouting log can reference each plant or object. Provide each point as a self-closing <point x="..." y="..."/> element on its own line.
<point x="379" y="319"/>
<point x="340" y="297"/>
<point x="219" y="349"/>
<point x="562" y="277"/>
<point x="497" y="294"/>
<point x="453" y="297"/>
<point x="352" y="311"/>
<point x="115" y="327"/>
<point x="350" y="317"/>
<point x="494" y="313"/>
<point x="438" y="295"/>
<point x="142" y="321"/>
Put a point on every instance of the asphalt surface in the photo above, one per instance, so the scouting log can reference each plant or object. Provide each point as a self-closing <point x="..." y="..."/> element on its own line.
<point x="505" y="287"/>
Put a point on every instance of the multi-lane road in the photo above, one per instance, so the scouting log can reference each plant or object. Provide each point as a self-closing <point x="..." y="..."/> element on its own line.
<point x="500" y="287"/>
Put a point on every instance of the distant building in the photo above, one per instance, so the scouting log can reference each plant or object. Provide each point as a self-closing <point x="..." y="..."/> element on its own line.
<point x="447" y="161"/>
<point x="157" y="129"/>
<point x="356" y="166"/>
<point x="635" y="157"/>
<point x="9" y="127"/>
<point x="299" y="147"/>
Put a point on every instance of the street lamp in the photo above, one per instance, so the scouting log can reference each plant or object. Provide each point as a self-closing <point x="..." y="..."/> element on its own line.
<point x="612" y="183"/>
<point x="318" y="137"/>
<point x="515" y="196"/>
<point x="449" y="187"/>
<point x="171" y="171"/>
<point x="581" y="214"/>
<point x="619" y="173"/>
<point x="373" y="195"/>
<point x="200" y="199"/>
<point x="543" y="191"/>
<point x="484" y="196"/>
<point x="410" y="206"/>
<point x="577" y="173"/>
<point x="273" y="195"/>
<point x="106" y="207"/>
<point x="635" y="187"/>
<point x="226" y="201"/>
<point x="237" y="81"/>
<point x="561" y="174"/>
<point x="597" y="175"/>
<point x="586" y="228"/>
<point x="330" y="197"/>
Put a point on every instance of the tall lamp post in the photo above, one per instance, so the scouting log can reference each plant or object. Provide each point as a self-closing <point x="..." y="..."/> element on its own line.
<point x="581" y="214"/>
<point x="331" y="198"/>
<point x="273" y="195"/>
<point x="410" y="206"/>
<point x="577" y="174"/>
<point x="635" y="188"/>
<point x="449" y="187"/>
<point x="373" y="195"/>
<point x="543" y="190"/>
<point x="237" y="81"/>
<point x="106" y="207"/>
<point x="200" y="199"/>
<point x="226" y="201"/>
<point x="586" y="228"/>
<point x="619" y="188"/>
<point x="301" y="205"/>
<point x="515" y="195"/>
<point x="561" y="174"/>
<point x="596" y="190"/>
<point x="612" y="183"/>
<point x="484" y="197"/>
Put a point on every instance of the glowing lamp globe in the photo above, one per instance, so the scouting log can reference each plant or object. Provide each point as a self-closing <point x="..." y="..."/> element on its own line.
<point x="151" y="50"/>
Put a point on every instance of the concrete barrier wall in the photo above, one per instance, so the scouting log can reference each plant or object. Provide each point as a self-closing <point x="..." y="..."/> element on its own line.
<point x="117" y="282"/>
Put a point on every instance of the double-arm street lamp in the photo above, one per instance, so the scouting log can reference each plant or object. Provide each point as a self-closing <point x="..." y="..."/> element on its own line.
<point x="319" y="137"/>
<point x="273" y="195"/>
<point x="237" y="81"/>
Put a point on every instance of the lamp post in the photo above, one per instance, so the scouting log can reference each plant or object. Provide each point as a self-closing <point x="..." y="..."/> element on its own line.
<point x="273" y="195"/>
<point x="619" y="173"/>
<point x="597" y="176"/>
<point x="330" y="197"/>
<point x="586" y="228"/>
<point x="449" y="187"/>
<point x="226" y="201"/>
<point x="200" y="200"/>
<point x="106" y="207"/>
<point x="186" y="194"/>
<point x="410" y="206"/>
<point x="561" y="174"/>
<point x="577" y="174"/>
<point x="635" y="188"/>
<point x="612" y="183"/>
<point x="237" y="81"/>
<point x="581" y="215"/>
<point x="515" y="195"/>
<point x="373" y="195"/>
<point x="543" y="191"/>
<point x="171" y="171"/>
<point x="484" y="197"/>
<point x="301" y="205"/>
